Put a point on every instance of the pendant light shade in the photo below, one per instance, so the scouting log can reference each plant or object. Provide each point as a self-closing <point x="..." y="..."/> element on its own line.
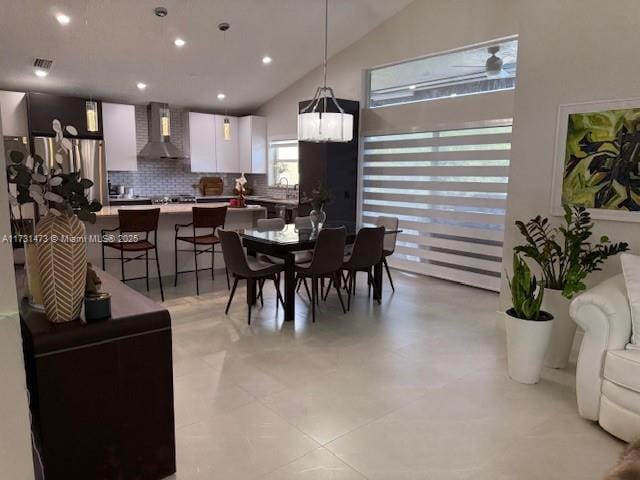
<point x="226" y="129"/>
<point x="318" y="122"/>
<point x="91" y="110"/>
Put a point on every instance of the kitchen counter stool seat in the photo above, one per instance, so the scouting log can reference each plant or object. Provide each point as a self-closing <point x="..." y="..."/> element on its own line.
<point x="204" y="218"/>
<point x="131" y="223"/>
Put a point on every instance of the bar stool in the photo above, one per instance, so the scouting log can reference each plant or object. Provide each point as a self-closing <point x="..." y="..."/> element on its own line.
<point x="203" y="218"/>
<point x="132" y="222"/>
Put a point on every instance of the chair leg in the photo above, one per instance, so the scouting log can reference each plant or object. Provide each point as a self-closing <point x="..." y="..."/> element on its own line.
<point x="350" y="279"/>
<point x="159" y="274"/>
<point x="314" y="289"/>
<point x="329" y="285"/>
<point x="146" y="267"/>
<point x="276" y="283"/>
<point x="233" y="291"/>
<point x="260" y="286"/>
<point x="175" y="261"/>
<point x="369" y="280"/>
<point x="386" y="267"/>
<point x="335" y="284"/>
<point x="299" y="284"/>
<point x="226" y="270"/>
<point x="122" y="264"/>
<point x="213" y="261"/>
<point x="195" y="260"/>
<point x="248" y="307"/>
<point x="306" y="287"/>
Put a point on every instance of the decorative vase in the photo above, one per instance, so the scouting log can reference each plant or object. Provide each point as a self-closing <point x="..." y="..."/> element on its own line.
<point x="62" y="256"/>
<point x="32" y="270"/>
<point x="527" y="342"/>
<point x="317" y="217"/>
<point x="564" y="328"/>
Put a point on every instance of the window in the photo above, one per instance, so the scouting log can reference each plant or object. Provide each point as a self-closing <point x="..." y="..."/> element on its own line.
<point x="449" y="190"/>
<point x="283" y="162"/>
<point x="467" y="71"/>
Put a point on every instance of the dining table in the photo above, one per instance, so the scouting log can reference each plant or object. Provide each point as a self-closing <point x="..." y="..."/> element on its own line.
<point x="284" y="244"/>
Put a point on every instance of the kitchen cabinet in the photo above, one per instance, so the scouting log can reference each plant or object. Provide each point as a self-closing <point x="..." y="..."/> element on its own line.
<point x="119" y="126"/>
<point x="43" y="108"/>
<point x="227" y="151"/>
<point x="200" y="142"/>
<point x="14" y="114"/>
<point x="252" y="133"/>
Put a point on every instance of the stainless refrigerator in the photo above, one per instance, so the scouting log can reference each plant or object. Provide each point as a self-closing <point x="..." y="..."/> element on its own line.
<point x="87" y="156"/>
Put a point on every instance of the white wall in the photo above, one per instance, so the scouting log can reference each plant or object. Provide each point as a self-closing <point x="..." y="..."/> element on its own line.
<point x="424" y="27"/>
<point x="569" y="51"/>
<point x="15" y="447"/>
<point x="14" y="113"/>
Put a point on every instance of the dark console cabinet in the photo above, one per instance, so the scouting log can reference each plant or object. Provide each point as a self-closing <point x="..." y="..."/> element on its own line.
<point x="335" y="165"/>
<point x="44" y="108"/>
<point x="101" y="394"/>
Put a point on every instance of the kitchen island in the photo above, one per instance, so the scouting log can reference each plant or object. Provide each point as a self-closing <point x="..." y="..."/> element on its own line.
<point x="170" y="215"/>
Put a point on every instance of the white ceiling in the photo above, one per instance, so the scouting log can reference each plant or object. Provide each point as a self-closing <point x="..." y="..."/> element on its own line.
<point x="110" y="45"/>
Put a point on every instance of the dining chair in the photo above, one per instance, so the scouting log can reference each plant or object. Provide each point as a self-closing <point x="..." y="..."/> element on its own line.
<point x="366" y="253"/>
<point x="389" y="246"/>
<point x="131" y="223"/>
<point x="246" y="268"/>
<point x="270" y="224"/>
<point x="203" y="218"/>
<point x="327" y="261"/>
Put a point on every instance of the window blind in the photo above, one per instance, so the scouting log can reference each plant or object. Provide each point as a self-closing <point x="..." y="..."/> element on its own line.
<point x="449" y="191"/>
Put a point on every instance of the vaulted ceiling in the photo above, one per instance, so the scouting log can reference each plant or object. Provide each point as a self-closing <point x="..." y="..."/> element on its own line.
<point x="109" y="46"/>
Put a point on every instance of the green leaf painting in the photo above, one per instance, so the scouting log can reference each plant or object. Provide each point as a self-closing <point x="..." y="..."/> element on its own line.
<point x="602" y="160"/>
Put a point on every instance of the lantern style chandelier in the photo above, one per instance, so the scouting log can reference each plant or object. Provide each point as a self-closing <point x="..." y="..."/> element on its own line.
<point x="319" y="121"/>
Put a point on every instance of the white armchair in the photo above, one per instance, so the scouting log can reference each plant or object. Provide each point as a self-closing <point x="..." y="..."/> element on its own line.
<point x="608" y="375"/>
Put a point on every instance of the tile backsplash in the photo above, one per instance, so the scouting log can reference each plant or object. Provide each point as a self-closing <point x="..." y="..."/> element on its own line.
<point x="172" y="177"/>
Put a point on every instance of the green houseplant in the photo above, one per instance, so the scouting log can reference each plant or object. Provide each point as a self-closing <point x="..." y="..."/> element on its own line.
<point x="528" y="326"/>
<point x="60" y="235"/>
<point x="566" y="256"/>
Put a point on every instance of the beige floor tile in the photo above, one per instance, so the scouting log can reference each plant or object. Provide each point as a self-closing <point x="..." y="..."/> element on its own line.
<point x="320" y="464"/>
<point x="246" y="443"/>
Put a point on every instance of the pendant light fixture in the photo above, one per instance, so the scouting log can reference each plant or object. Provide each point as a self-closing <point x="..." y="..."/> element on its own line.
<point x="315" y="122"/>
<point x="226" y="124"/>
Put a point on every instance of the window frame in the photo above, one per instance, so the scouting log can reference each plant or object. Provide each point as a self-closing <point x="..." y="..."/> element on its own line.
<point x="272" y="181"/>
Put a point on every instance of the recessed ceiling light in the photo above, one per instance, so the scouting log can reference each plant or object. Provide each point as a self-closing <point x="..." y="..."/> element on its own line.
<point x="63" y="19"/>
<point x="413" y="87"/>
<point x="267" y="59"/>
<point x="221" y="96"/>
<point x="141" y="86"/>
<point x="179" y="42"/>
<point x="40" y="72"/>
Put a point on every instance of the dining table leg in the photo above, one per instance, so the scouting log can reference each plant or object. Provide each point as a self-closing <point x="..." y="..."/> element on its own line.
<point x="377" y="282"/>
<point x="289" y="287"/>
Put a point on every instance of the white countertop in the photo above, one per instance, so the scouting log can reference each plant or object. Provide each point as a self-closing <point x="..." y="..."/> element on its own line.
<point x="175" y="208"/>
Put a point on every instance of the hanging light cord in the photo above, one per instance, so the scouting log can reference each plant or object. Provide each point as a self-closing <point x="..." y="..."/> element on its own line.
<point x="326" y="41"/>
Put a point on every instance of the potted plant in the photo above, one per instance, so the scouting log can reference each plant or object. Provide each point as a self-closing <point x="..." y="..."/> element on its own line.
<point x="60" y="234"/>
<point x="320" y="196"/>
<point x="566" y="257"/>
<point x="528" y="327"/>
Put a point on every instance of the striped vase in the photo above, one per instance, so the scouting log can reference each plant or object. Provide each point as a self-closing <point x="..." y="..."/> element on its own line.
<point x="62" y="256"/>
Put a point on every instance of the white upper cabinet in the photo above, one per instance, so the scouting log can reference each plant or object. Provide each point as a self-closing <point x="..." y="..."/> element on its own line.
<point x="227" y="150"/>
<point x="13" y="106"/>
<point x="119" y="127"/>
<point x="253" y="144"/>
<point x="200" y="142"/>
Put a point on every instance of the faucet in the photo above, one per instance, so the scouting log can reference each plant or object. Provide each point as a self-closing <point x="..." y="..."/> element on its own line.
<point x="285" y="179"/>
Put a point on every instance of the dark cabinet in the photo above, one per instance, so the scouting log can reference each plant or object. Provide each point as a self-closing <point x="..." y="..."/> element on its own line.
<point x="43" y="108"/>
<point x="101" y="393"/>
<point x="333" y="164"/>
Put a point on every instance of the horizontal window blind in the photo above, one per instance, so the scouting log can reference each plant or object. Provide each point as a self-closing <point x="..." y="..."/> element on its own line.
<point x="449" y="191"/>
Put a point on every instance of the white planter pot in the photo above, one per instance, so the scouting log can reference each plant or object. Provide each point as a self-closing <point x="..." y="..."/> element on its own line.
<point x="564" y="328"/>
<point x="527" y="342"/>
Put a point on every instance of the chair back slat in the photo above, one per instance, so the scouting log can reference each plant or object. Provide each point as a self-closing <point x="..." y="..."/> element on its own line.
<point x="233" y="252"/>
<point x="389" y="223"/>
<point x="138" y="220"/>
<point x="205" y="217"/>
<point x="367" y="249"/>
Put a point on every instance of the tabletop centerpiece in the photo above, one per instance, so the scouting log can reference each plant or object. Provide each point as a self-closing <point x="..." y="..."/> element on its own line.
<point x="320" y="196"/>
<point x="241" y="191"/>
<point x="59" y="240"/>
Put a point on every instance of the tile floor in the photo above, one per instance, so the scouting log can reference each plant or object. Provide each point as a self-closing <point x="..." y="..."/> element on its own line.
<point x="413" y="389"/>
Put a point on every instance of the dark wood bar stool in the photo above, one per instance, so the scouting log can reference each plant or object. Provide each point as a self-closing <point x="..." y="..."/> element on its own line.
<point x="207" y="220"/>
<point x="134" y="227"/>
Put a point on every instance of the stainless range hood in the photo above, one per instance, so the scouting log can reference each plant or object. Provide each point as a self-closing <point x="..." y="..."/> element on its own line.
<point x="160" y="145"/>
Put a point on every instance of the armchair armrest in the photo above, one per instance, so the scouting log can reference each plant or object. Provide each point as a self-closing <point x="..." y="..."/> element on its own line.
<point x="604" y="313"/>
<point x="178" y="226"/>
